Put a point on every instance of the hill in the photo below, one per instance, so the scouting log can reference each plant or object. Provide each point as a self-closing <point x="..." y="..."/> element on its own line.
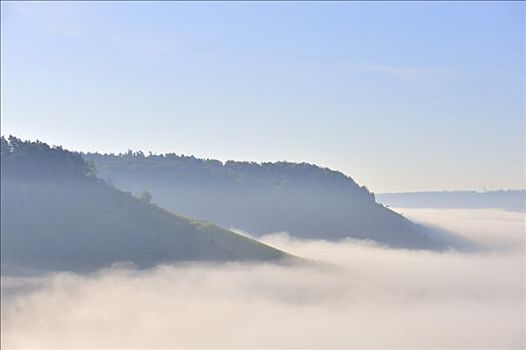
<point x="302" y="199"/>
<point x="56" y="214"/>
<point x="511" y="200"/>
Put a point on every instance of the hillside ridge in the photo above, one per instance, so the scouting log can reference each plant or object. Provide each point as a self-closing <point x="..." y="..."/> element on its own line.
<point x="56" y="214"/>
<point x="302" y="199"/>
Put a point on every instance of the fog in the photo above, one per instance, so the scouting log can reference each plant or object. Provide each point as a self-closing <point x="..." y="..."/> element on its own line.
<point x="359" y="295"/>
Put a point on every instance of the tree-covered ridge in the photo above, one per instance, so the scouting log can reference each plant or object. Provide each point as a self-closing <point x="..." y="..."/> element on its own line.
<point x="56" y="214"/>
<point x="36" y="159"/>
<point x="281" y="173"/>
<point x="302" y="199"/>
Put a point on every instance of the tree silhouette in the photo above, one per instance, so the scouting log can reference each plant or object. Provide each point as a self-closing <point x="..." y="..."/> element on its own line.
<point x="146" y="197"/>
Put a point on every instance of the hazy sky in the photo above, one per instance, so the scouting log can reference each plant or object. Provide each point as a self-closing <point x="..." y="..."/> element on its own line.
<point x="400" y="96"/>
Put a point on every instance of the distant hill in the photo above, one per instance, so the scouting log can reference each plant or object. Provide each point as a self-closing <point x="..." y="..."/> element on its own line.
<point x="56" y="214"/>
<point x="302" y="199"/>
<point x="512" y="200"/>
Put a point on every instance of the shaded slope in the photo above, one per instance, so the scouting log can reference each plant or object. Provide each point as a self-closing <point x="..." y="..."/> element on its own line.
<point x="302" y="199"/>
<point x="55" y="215"/>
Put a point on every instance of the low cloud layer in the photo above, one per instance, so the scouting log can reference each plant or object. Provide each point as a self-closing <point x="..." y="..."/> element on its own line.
<point x="362" y="295"/>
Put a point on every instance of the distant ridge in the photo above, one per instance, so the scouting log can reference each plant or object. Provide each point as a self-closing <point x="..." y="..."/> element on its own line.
<point x="511" y="200"/>
<point x="300" y="198"/>
<point x="57" y="215"/>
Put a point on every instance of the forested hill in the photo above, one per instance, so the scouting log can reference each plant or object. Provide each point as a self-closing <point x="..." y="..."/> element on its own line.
<point x="56" y="214"/>
<point x="229" y="172"/>
<point x="301" y="199"/>
<point x="37" y="161"/>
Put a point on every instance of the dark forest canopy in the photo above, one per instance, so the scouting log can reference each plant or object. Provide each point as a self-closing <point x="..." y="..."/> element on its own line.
<point x="274" y="173"/>
<point x="36" y="159"/>
<point x="56" y="214"/>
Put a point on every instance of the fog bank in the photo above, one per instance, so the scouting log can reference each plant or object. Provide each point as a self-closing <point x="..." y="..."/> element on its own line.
<point x="367" y="296"/>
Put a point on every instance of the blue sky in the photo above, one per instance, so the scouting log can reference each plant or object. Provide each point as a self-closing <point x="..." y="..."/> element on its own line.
<point x="400" y="96"/>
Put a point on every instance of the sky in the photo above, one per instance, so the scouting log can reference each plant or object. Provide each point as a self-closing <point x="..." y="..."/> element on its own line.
<point x="403" y="96"/>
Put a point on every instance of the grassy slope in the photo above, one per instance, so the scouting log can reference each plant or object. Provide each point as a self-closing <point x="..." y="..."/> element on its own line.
<point x="70" y="225"/>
